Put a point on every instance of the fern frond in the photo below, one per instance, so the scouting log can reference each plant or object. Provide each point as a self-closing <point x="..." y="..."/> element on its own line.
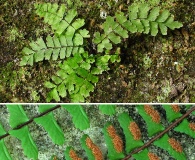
<point x="55" y="47"/>
<point x="172" y="112"/>
<point x="146" y="155"/>
<point x="141" y="18"/>
<point x="77" y="76"/>
<point x="55" y="16"/>
<point x="17" y="115"/>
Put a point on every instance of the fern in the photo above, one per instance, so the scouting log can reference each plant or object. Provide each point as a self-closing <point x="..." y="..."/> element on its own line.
<point x="79" y="70"/>
<point x="135" y="145"/>
<point x="55" y="16"/>
<point x="141" y="18"/>
<point x="68" y="39"/>
<point x="77" y="76"/>
<point x="55" y="47"/>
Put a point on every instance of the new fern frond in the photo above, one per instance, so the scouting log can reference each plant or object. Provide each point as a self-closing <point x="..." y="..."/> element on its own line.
<point x="140" y="18"/>
<point x="132" y="145"/>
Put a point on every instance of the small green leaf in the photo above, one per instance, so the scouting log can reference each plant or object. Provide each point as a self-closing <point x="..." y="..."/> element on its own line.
<point x="56" y="79"/>
<point x="184" y="127"/>
<point x="71" y="15"/>
<point x="53" y="94"/>
<point x="27" y="51"/>
<point x="17" y="115"/>
<point x="174" y="25"/>
<point x="163" y="143"/>
<point x="141" y="155"/>
<point x="24" y="60"/>
<point x="170" y="113"/>
<point x="131" y="143"/>
<point x="4" y="153"/>
<point x="152" y="126"/>
<point x="84" y="33"/>
<point x="49" y="40"/>
<point x="163" y="16"/>
<point x="113" y="153"/>
<point x="78" y="39"/>
<point x="154" y="13"/>
<point x="133" y="11"/>
<point x="62" y="90"/>
<point x="39" y="56"/>
<point x="79" y="116"/>
<point x="107" y="109"/>
<point x="143" y="10"/>
<point x="50" y="125"/>
<point x="88" y="150"/>
<point x="115" y="39"/>
<point x="29" y="146"/>
<point x="154" y="28"/>
<point x="163" y="28"/>
<point x="49" y="85"/>
<point x="78" y="23"/>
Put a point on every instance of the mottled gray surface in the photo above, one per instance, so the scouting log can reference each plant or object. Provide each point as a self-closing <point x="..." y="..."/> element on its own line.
<point x="72" y="135"/>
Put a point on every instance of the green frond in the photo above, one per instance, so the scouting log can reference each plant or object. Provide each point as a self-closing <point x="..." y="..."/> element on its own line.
<point x="4" y="152"/>
<point x="55" y="47"/>
<point x="142" y="155"/>
<point x="141" y="18"/>
<point x="171" y="113"/>
<point x="77" y="76"/>
<point x="58" y="17"/>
